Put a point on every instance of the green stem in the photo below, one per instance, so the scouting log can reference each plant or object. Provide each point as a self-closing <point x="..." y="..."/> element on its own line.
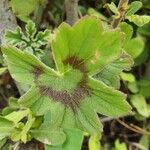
<point x="122" y="10"/>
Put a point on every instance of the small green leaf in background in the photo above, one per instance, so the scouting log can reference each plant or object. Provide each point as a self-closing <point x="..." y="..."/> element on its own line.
<point x="119" y="145"/>
<point x="3" y="70"/>
<point x="112" y="7"/>
<point x="2" y="142"/>
<point x="144" y="30"/>
<point x="74" y="139"/>
<point x="128" y="31"/>
<point x="139" y="20"/>
<point x="127" y="77"/>
<point x="30" y="40"/>
<point x="144" y="85"/>
<point x="94" y="142"/>
<point x="145" y="142"/>
<point x="6" y="128"/>
<point x="23" y="8"/>
<point x="135" y="46"/>
<point x="133" y="8"/>
<point x="12" y="106"/>
<point x="133" y="87"/>
<point x="139" y="102"/>
<point x="16" y="116"/>
<point x="92" y="11"/>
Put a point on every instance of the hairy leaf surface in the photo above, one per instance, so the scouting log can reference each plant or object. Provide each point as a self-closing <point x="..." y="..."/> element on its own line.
<point x="71" y="93"/>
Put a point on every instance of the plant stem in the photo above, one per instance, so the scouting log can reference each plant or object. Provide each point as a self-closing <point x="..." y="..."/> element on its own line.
<point x="121" y="9"/>
<point x="71" y="7"/>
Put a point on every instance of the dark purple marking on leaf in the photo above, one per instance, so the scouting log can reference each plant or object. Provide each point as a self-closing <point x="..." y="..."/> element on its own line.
<point x="76" y="63"/>
<point x="37" y="71"/>
<point x="72" y="99"/>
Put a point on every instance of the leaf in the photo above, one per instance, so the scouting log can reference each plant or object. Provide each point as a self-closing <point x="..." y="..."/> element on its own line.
<point x="127" y="77"/>
<point x="48" y="133"/>
<point x="139" y="20"/>
<point x="24" y="7"/>
<point x="49" y="136"/>
<point x="3" y="70"/>
<point x="139" y="102"/>
<point x="113" y="7"/>
<point x="70" y="93"/>
<point x="94" y="142"/>
<point x="94" y="12"/>
<point x="30" y="41"/>
<point x="120" y="146"/>
<point x="133" y="8"/>
<point x="27" y="69"/>
<point x="133" y="87"/>
<point x="144" y="30"/>
<point x="2" y="142"/>
<point x="144" y="86"/>
<point x="134" y="47"/>
<point x="74" y="141"/>
<point x="128" y="31"/>
<point x="15" y="37"/>
<point x="110" y="73"/>
<point x="144" y="141"/>
<point x="16" y="116"/>
<point x="24" y="133"/>
<point x="108" y="101"/>
<point x="6" y="128"/>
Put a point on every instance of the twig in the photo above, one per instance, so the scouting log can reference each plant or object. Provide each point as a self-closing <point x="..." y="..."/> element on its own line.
<point x="121" y="9"/>
<point x="134" y="128"/>
<point x="71" y="7"/>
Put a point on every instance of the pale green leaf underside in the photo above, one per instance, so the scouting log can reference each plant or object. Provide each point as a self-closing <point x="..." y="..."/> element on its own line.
<point x="72" y="96"/>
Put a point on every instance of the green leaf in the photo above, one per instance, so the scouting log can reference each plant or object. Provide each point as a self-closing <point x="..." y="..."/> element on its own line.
<point x="6" y="128"/>
<point x="48" y="133"/>
<point x="71" y="94"/>
<point x="144" y="86"/>
<point x="133" y="8"/>
<point x="19" y="60"/>
<point x="120" y="146"/>
<point x="23" y="7"/>
<point x="24" y="133"/>
<point x="134" y="47"/>
<point x="139" y="102"/>
<point x="133" y="87"/>
<point x="94" y="12"/>
<point x="128" y="31"/>
<point x="144" y="30"/>
<point x="74" y="141"/>
<point x="2" y="143"/>
<point x="15" y="37"/>
<point x="127" y="77"/>
<point x="30" y="41"/>
<point x="110" y="73"/>
<point x="113" y="7"/>
<point x="108" y="101"/>
<point x="144" y="141"/>
<point x="3" y="70"/>
<point x="49" y="136"/>
<point x="94" y="142"/>
<point x="139" y="20"/>
<point x="16" y="116"/>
